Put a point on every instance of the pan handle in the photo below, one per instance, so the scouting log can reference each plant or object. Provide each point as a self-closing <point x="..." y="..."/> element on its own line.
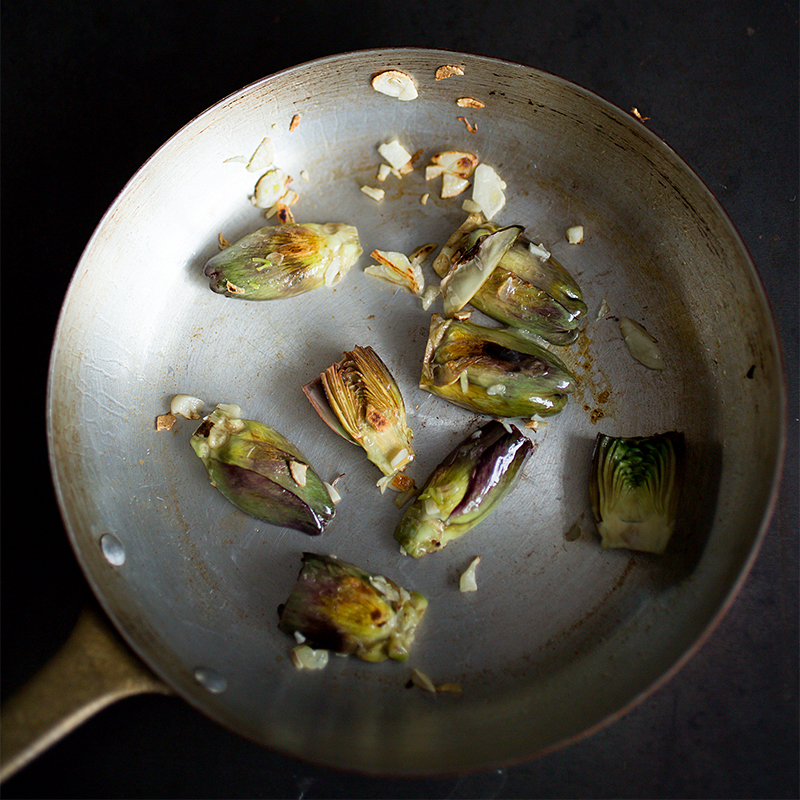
<point x="93" y="669"/>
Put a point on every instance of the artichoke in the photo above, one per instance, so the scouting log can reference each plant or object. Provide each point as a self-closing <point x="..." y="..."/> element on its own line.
<point x="493" y="371"/>
<point x="340" y="607"/>
<point x="261" y="472"/>
<point x="634" y="489"/>
<point x="284" y="260"/>
<point x="464" y="488"/>
<point x="528" y="288"/>
<point x="360" y="400"/>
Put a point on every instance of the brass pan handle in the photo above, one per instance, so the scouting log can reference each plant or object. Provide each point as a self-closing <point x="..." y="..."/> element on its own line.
<point x="93" y="669"/>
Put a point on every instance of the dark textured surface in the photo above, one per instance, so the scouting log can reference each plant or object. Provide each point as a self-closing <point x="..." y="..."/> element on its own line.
<point x="90" y="90"/>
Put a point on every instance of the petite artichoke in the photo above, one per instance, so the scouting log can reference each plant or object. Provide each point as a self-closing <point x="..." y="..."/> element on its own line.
<point x="464" y="488"/>
<point x="284" y="260"/>
<point x="527" y="288"/>
<point x="262" y="473"/>
<point x="360" y="400"/>
<point x="634" y="488"/>
<point x="493" y="371"/>
<point x="340" y="607"/>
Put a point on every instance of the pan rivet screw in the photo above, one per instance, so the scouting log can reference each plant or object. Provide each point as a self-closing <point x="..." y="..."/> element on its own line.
<point x="113" y="549"/>
<point x="212" y="680"/>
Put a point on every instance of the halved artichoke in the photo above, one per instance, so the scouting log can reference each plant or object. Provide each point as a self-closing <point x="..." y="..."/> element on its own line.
<point x="261" y="472"/>
<point x="359" y="399"/>
<point x="525" y="290"/>
<point x="340" y="607"/>
<point x="634" y="489"/>
<point x="464" y="488"/>
<point x="493" y="371"/>
<point x="284" y="260"/>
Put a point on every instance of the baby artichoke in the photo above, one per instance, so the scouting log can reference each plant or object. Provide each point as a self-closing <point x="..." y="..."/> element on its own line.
<point x="340" y="607"/>
<point x="493" y="371"/>
<point x="464" y="488"/>
<point x="634" y="489"/>
<point x="284" y="260"/>
<point x="527" y="289"/>
<point x="261" y="472"/>
<point x="360" y="400"/>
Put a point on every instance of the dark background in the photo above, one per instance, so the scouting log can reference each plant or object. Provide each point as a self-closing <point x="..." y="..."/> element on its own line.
<point x="91" y="89"/>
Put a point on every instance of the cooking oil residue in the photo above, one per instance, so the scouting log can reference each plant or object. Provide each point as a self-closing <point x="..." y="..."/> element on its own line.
<point x="592" y="387"/>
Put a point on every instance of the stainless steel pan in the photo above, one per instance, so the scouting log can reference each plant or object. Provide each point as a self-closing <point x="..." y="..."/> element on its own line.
<point x="561" y="635"/>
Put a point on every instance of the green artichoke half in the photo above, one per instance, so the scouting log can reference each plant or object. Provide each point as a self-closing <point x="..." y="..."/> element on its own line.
<point x="284" y="260"/>
<point x="524" y="289"/>
<point x="464" y="488"/>
<point x="261" y="472"/>
<point x="493" y="371"/>
<point x="634" y="488"/>
<point x="340" y="607"/>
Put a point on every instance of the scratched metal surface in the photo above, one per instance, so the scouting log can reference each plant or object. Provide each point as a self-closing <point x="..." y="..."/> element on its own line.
<point x="201" y="582"/>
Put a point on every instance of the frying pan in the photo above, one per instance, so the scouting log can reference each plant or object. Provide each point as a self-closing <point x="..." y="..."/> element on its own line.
<point x="561" y="636"/>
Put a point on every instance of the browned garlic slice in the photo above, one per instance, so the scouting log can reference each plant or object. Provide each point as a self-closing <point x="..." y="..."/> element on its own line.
<point x="448" y="70"/>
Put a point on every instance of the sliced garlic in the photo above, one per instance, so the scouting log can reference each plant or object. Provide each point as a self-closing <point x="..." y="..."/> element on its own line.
<point x="271" y="188"/>
<point x="641" y="345"/>
<point x="420" y="679"/>
<point x="305" y="657"/>
<point x="574" y="234"/>
<point x="298" y="470"/>
<point x="375" y="194"/>
<point x="468" y="582"/>
<point x="448" y="70"/>
<point x="185" y="405"/>
<point x="394" y="83"/>
<point x="487" y="190"/>
<point x="262" y="157"/>
<point x="395" y="154"/>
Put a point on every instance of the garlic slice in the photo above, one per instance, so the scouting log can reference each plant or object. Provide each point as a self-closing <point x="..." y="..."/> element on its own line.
<point x="395" y="83"/>
<point x="641" y="345"/>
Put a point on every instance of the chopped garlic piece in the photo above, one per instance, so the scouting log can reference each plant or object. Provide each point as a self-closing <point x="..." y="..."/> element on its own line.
<point x="641" y="344"/>
<point x="428" y="296"/>
<point x="384" y="171"/>
<point x="487" y="190"/>
<point x="539" y="250"/>
<point x="271" y="188"/>
<point x="394" y="83"/>
<point x="452" y="185"/>
<point x="470" y="206"/>
<point x="305" y="657"/>
<point x="448" y="70"/>
<point x="375" y="194"/>
<point x="262" y="157"/>
<point x="185" y="405"/>
<point x="397" y="268"/>
<point x="424" y="198"/>
<point x="469" y="102"/>
<point x="467" y="582"/>
<point x="294" y="123"/>
<point x="335" y="496"/>
<point x="164" y="422"/>
<point x="298" y="470"/>
<point x="420" y="679"/>
<point x="574" y="234"/>
<point x="395" y="154"/>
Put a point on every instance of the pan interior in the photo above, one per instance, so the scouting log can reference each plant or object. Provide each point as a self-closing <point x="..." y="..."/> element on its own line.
<point x="561" y="634"/>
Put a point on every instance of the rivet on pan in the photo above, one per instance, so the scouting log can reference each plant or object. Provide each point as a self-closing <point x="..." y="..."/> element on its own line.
<point x="113" y="549"/>
<point x="212" y="680"/>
